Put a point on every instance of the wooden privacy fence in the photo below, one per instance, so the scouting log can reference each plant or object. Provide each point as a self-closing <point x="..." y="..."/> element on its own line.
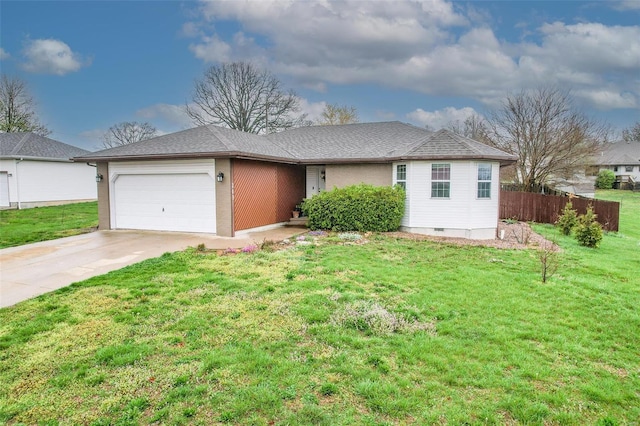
<point x="541" y="208"/>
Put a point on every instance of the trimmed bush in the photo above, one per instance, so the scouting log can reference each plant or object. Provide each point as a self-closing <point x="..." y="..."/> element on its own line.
<point x="356" y="208"/>
<point x="605" y="179"/>
<point x="588" y="230"/>
<point x="568" y="219"/>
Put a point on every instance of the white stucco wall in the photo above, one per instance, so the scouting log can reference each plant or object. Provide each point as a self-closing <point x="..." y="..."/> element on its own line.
<point x="463" y="214"/>
<point x="35" y="183"/>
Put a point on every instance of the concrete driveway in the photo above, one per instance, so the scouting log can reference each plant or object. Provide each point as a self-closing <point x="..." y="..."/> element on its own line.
<point x="34" y="269"/>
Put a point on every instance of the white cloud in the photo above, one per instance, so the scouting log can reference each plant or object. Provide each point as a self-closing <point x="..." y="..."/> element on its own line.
<point x="607" y="99"/>
<point x="4" y="54"/>
<point x="430" y="47"/>
<point x="625" y="4"/>
<point x="441" y="118"/>
<point x="173" y="115"/>
<point x="211" y="49"/>
<point x="50" y="56"/>
<point x="312" y="109"/>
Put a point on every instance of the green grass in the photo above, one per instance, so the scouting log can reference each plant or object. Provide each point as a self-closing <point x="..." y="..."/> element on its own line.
<point x="388" y="332"/>
<point x="18" y="227"/>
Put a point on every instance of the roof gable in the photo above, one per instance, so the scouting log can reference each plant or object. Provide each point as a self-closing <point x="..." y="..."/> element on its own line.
<point x="446" y="144"/>
<point x="31" y="145"/>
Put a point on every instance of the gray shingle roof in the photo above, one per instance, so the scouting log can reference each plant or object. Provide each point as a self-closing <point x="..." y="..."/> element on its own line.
<point x="351" y="141"/>
<point x="31" y="145"/>
<point x="620" y="154"/>
<point x="362" y="142"/>
<point x="199" y="141"/>
<point x="446" y="144"/>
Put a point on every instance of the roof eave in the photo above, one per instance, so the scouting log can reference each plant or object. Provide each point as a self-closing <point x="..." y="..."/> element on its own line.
<point x="185" y="156"/>
<point x="32" y="158"/>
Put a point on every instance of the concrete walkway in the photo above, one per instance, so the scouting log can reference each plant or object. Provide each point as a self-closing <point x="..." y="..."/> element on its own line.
<point x="34" y="269"/>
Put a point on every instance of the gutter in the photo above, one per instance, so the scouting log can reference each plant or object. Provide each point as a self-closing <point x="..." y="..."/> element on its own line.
<point x="30" y="158"/>
<point x="244" y="156"/>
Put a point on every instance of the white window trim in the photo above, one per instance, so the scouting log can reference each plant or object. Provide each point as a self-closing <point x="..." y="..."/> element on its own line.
<point x="432" y="181"/>
<point x="406" y="175"/>
<point x="490" y="181"/>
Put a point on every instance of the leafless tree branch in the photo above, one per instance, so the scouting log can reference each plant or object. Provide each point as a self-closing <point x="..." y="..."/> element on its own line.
<point x="17" y="112"/>
<point x="553" y="141"/>
<point x="127" y="132"/>
<point x="242" y="97"/>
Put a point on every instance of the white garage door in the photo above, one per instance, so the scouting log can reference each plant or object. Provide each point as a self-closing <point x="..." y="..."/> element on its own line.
<point x="165" y="202"/>
<point x="4" y="189"/>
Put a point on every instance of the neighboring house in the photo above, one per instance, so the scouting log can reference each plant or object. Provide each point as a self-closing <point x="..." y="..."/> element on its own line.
<point x="215" y="180"/>
<point x="624" y="159"/>
<point x="38" y="171"/>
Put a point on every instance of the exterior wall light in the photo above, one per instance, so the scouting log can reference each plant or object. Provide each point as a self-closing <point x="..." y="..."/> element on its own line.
<point x="99" y="177"/>
<point x="220" y="176"/>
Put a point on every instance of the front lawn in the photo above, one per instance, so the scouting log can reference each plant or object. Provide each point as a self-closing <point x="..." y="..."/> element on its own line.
<point x="18" y="227"/>
<point x="332" y="331"/>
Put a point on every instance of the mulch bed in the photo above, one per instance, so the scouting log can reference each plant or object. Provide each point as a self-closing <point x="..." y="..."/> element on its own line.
<point x="518" y="235"/>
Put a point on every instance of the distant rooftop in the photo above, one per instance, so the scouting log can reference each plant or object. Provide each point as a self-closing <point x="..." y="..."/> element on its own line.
<point x="620" y="154"/>
<point x="33" y="146"/>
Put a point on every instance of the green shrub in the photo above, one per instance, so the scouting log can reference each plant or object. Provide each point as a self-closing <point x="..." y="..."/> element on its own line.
<point x="356" y="208"/>
<point x="588" y="230"/>
<point x="605" y="179"/>
<point x="568" y="219"/>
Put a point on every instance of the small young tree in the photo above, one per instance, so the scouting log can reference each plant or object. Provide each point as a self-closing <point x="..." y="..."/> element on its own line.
<point x="568" y="219"/>
<point x="548" y="257"/>
<point x="588" y="230"/>
<point x="605" y="179"/>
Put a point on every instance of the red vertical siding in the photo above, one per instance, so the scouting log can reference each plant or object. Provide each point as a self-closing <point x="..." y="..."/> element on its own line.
<point x="265" y="193"/>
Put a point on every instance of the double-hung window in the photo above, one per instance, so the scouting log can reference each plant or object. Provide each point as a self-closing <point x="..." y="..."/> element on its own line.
<point x="484" y="180"/>
<point x="401" y="176"/>
<point x="440" y="180"/>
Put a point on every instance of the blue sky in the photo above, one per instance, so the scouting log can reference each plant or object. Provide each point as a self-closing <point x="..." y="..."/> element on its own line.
<point x="92" y="64"/>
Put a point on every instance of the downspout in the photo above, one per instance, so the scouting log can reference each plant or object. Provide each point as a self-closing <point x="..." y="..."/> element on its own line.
<point x="18" y="184"/>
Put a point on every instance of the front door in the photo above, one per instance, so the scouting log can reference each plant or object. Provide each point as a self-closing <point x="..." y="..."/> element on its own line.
<point x="315" y="180"/>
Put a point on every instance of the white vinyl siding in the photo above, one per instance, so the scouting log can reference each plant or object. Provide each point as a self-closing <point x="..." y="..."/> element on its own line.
<point x="406" y="167"/>
<point x="460" y="215"/>
<point x="33" y="182"/>
<point x="4" y="189"/>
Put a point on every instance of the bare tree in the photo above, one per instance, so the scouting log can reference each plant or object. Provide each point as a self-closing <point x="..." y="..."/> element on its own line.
<point x="474" y="127"/>
<point x="336" y="114"/>
<point x="17" y="108"/>
<point x="632" y="133"/>
<point x="127" y="132"/>
<point x="550" y="137"/>
<point x="242" y="97"/>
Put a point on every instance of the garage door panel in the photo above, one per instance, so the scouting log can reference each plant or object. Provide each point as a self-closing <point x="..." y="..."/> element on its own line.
<point x="167" y="202"/>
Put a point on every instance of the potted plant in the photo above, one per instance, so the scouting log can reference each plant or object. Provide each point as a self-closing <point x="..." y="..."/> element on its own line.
<point x="297" y="211"/>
